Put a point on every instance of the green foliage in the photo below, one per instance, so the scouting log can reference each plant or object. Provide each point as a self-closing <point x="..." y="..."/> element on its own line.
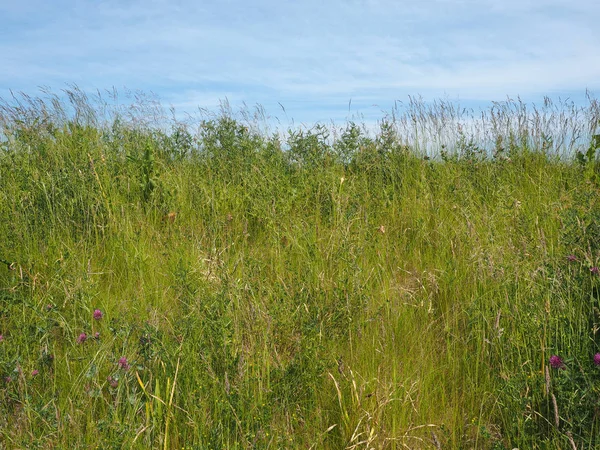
<point x="589" y="160"/>
<point x="309" y="148"/>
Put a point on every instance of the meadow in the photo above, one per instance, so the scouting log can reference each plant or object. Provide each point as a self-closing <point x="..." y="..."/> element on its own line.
<point x="432" y="284"/>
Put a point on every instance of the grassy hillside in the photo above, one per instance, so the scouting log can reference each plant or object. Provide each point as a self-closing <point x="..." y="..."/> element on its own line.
<point x="219" y="287"/>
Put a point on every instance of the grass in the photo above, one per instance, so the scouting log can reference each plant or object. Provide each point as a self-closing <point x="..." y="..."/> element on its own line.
<point x="327" y="288"/>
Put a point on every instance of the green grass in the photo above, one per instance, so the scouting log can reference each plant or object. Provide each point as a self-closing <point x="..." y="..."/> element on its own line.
<point x="304" y="292"/>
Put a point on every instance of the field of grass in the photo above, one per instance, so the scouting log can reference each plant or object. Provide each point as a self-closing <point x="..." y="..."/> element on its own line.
<point x="217" y="286"/>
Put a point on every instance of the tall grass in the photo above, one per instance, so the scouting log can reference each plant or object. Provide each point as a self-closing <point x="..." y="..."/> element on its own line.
<point x="326" y="288"/>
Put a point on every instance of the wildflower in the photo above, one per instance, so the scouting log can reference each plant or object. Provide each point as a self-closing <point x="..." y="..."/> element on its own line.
<point x="113" y="382"/>
<point x="98" y="314"/>
<point x="571" y="258"/>
<point x="557" y="362"/>
<point x="49" y="307"/>
<point x="595" y="270"/>
<point x="1" y="338"/>
<point x="82" y="338"/>
<point x="35" y="372"/>
<point x="123" y="364"/>
<point x="597" y="359"/>
<point x="96" y="335"/>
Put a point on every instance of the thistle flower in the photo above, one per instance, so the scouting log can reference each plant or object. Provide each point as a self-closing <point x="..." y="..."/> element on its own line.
<point x="96" y="335"/>
<point x="595" y="270"/>
<point x="557" y="362"/>
<point x="597" y="359"/>
<point x="98" y="314"/>
<point x="82" y="338"/>
<point x="35" y="372"/>
<point x="571" y="258"/>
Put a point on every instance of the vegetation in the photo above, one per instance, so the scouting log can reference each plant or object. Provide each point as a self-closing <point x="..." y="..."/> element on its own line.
<point x="432" y="284"/>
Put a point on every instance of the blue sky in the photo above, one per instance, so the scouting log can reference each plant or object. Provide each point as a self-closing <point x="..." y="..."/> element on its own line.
<point x="310" y="56"/>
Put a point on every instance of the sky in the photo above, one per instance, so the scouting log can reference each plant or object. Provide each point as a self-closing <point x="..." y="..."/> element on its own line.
<point x="308" y="61"/>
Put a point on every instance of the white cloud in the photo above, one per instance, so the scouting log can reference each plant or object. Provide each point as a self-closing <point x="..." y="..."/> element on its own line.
<point x="314" y="54"/>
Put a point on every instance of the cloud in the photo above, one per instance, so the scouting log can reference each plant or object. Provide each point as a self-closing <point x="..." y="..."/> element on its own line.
<point x="312" y="56"/>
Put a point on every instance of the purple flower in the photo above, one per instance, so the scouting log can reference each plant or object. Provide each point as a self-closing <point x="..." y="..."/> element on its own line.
<point x="571" y="258"/>
<point x="123" y="364"/>
<point x="556" y="362"/>
<point x="113" y="382"/>
<point x="96" y="335"/>
<point x="35" y="372"/>
<point x="597" y="359"/>
<point x="82" y="338"/>
<point x="98" y="314"/>
<point x="595" y="270"/>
